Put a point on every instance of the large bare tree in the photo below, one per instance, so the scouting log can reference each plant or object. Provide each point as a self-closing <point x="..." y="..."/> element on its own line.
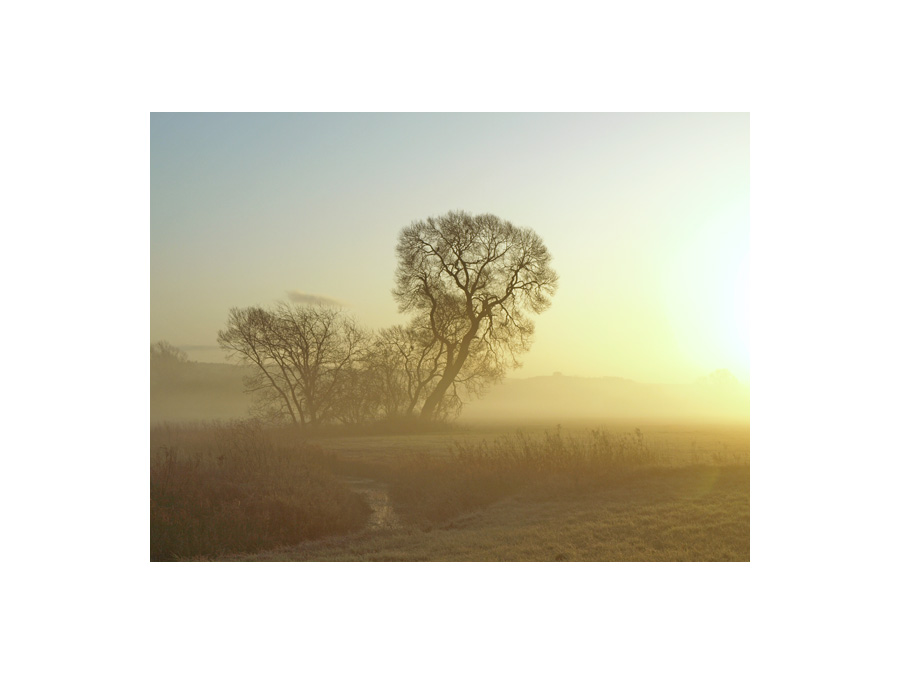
<point x="473" y="281"/>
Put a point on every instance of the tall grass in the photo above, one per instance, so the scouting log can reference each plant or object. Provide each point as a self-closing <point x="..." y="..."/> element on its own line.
<point x="429" y="488"/>
<point x="226" y="488"/>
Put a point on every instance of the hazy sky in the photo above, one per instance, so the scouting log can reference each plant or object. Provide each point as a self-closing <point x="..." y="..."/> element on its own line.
<point x="646" y="216"/>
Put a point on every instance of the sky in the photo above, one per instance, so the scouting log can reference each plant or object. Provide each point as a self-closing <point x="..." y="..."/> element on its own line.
<point x="647" y="217"/>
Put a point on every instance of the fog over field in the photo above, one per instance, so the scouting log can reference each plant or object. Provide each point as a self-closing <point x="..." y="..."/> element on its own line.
<point x="560" y="398"/>
<point x="197" y="391"/>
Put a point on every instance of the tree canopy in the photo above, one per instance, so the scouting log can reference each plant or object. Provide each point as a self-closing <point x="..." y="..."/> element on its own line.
<point x="474" y="281"/>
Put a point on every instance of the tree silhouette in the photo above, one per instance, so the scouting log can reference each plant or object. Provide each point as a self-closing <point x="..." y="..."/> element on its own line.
<point x="303" y="357"/>
<point x="473" y="281"/>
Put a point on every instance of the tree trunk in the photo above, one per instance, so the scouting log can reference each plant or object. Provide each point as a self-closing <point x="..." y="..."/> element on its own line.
<point x="450" y="372"/>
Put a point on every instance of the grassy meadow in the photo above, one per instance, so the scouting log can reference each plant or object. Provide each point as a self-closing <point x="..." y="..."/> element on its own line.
<point x="623" y="490"/>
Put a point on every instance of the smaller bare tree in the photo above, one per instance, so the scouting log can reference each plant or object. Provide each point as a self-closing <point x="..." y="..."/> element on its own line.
<point x="303" y="358"/>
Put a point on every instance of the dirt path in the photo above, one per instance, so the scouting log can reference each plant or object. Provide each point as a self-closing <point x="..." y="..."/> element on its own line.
<point x="383" y="515"/>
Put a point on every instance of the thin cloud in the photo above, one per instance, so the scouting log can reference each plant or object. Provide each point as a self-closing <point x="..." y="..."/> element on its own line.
<point x="302" y="298"/>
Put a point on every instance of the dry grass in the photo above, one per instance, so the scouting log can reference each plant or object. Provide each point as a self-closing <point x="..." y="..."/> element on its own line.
<point x="217" y="489"/>
<point x="679" y="442"/>
<point x="670" y="492"/>
<point x="692" y="513"/>
<point x="432" y="487"/>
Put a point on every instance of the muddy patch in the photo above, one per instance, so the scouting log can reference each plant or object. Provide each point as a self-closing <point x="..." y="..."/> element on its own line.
<point x="383" y="515"/>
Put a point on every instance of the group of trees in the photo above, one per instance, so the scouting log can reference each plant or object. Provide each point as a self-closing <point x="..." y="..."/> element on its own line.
<point x="469" y="284"/>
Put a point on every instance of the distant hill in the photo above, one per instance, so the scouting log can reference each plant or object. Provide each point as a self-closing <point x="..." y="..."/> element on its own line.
<point x="559" y="397"/>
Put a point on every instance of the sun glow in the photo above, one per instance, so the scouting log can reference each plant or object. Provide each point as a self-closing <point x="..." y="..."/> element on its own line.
<point x="706" y="296"/>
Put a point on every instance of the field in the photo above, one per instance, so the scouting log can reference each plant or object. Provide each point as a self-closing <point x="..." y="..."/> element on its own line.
<point x="613" y="490"/>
